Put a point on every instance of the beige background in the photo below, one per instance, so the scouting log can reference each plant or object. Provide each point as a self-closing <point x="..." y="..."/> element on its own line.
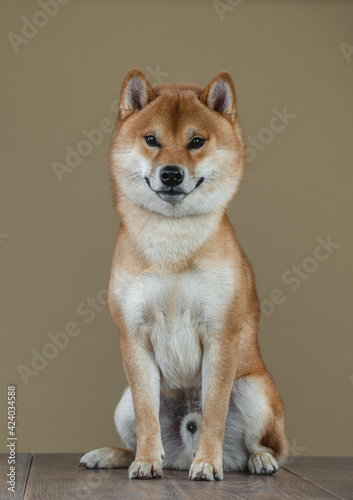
<point x="60" y="235"/>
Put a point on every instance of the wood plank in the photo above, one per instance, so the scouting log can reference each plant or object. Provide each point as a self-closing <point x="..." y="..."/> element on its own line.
<point x="333" y="474"/>
<point x="242" y="485"/>
<point x="23" y="464"/>
<point x="56" y="476"/>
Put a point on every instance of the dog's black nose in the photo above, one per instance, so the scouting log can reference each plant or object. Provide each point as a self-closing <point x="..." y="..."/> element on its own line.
<point x="171" y="176"/>
<point x="191" y="427"/>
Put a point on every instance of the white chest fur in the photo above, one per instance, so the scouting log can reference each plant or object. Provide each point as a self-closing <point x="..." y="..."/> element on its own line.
<point x="176" y="313"/>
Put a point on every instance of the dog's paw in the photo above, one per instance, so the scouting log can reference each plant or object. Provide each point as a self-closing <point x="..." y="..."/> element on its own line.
<point x="145" y="470"/>
<point x="205" y="471"/>
<point x="107" y="458"/>
<point x="262" y="463"/>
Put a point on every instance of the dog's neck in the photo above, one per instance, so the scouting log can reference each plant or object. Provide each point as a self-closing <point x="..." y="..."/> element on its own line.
<point x="168" y="244"/>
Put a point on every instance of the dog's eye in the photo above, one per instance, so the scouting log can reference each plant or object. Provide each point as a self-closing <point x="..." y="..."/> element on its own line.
<point x="152" y="141"/>
<point x="196" y="143"/>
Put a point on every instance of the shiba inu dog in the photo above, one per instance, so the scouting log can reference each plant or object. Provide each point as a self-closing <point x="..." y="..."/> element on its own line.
<point x="182" y="292"/>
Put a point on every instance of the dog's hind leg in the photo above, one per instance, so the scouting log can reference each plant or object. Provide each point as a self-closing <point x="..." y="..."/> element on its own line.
<point x="116" y="458"/>
<point x="261" y="407"/>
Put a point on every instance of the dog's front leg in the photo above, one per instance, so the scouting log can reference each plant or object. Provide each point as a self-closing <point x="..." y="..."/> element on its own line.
<point x="218" y="372"/>
<point x="143" y="376"/>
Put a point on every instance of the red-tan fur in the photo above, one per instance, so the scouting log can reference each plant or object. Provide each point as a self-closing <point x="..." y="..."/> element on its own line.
<point x="233" y="351"/>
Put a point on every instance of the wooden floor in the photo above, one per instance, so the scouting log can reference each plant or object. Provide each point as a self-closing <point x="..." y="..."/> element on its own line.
<point x="57" y="477"/>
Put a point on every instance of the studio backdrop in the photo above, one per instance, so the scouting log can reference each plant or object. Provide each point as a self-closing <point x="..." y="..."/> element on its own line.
<point x="63" y="63"/>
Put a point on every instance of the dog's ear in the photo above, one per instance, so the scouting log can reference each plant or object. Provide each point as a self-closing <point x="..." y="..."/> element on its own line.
<point x="136" y="93"/>
<point x="219" y="95"/>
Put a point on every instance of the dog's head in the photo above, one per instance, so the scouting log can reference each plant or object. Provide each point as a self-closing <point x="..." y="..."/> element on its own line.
<point x="178" y="148"/>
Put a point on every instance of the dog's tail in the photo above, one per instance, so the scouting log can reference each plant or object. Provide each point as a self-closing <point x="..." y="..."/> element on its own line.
<point x="107" y="458"/>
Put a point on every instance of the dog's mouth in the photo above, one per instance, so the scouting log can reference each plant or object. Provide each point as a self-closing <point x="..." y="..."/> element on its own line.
<point x="172" y="194"/>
